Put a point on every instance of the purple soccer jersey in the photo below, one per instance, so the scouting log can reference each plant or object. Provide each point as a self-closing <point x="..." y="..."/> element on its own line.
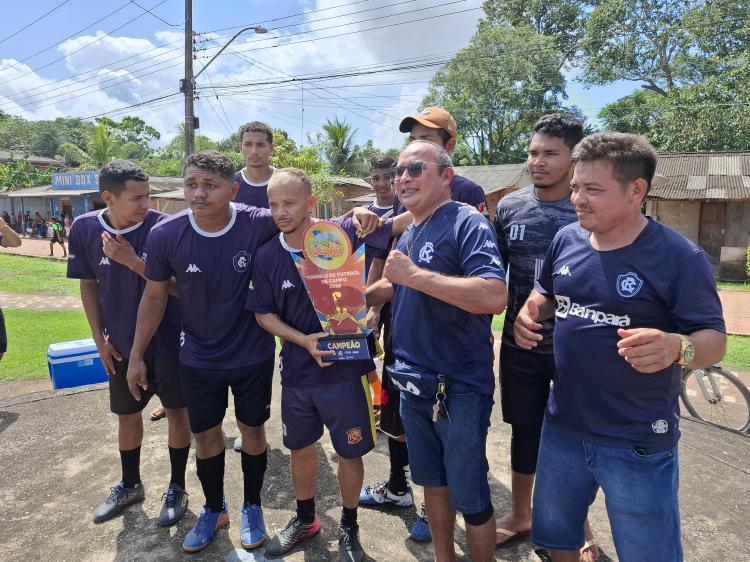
<point x="370" y="252"/>
<point x="278" y="289"/>
<point x="253" y="194"/>
<point x="120" y="288"/>
<point x="213" y="272"/>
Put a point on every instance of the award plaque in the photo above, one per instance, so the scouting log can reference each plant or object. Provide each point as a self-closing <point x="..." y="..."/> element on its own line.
<point x="334" y="277"/>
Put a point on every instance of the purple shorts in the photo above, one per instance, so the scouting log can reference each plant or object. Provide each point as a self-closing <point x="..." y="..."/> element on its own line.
<point x="344" y="407"/>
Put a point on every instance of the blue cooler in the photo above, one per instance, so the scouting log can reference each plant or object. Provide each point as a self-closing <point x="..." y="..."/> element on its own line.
<point x="75" y="363"/>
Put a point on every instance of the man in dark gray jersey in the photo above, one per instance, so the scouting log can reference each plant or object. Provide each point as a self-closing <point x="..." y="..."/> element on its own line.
<point x="525" y="222"/>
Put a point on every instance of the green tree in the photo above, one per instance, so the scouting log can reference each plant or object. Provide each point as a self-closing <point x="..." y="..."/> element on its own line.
<point x="497" y="87"/>
<point x="17" y="174"/>
<point x="132" y="136"/>
<point x="338" y="146"/>
<point x="563" y="20"/>
<point x="176" y="147"/>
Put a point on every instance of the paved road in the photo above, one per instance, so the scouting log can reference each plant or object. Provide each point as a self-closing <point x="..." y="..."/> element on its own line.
<point x="58" y="460"/>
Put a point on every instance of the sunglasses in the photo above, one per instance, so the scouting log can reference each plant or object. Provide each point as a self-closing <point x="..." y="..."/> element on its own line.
<point x="415" y="169"/>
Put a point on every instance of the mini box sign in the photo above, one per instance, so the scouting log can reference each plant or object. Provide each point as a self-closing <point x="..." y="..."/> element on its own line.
<point x="75" y="363"/>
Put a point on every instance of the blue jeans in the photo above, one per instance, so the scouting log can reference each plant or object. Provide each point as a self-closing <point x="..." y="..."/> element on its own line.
<point x="451" y="453"/>
<point x="640" y="493"/>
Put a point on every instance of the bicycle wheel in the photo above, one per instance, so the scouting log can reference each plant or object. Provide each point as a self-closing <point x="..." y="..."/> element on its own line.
<point x="717" y="396"/>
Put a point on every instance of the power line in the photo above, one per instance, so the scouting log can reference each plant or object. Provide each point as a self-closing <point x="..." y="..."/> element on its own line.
<point x="113" y="12"/>
<point x="25" y="27"/>
<point x="33" y="71"/>
<point x="178" y="25"/>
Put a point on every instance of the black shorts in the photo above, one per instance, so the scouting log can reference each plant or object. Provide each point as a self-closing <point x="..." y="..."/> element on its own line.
<point x="163" y="375"/>
<point x="207" y="398"/>
<point x="390" y="398"/>
<point x="525" y="379"/>
<point x="3" y="334"/>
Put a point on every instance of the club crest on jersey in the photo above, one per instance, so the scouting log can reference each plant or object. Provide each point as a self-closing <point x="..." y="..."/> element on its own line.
<point x="628" y="284"/>
<point x="660" y="426"/>
<point x="354" y="435"/>
<point x="426" y="252"/>
<point x="241" y="261"/>
<point x="143" y="254"/>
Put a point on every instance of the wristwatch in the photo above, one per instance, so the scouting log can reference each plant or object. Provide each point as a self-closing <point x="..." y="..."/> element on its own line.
<point x="687" y="351"/>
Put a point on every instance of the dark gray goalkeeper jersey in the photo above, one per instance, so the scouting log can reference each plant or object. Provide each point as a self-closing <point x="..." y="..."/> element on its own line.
<point x="525" y="227"/>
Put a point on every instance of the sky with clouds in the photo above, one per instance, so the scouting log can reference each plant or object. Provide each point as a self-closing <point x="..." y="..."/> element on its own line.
<point x="87" y="58"/>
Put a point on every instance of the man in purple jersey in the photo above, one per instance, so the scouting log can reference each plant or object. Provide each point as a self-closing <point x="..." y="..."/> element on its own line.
<point x="8" y="239"/>
<point x="208" y="249"/>
<point x="314" y="393"/>
<point x="107" y="252"/>
<point x="256" y="145"/>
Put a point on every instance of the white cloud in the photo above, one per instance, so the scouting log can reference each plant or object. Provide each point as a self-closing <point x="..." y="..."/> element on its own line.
<point x="374" y="104"/>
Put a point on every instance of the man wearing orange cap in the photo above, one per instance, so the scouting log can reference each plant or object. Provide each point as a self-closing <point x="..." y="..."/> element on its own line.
<point x="435" y="125"/>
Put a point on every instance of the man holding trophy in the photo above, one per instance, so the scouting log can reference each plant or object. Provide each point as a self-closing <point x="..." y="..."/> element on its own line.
<point x="312" y="276"/>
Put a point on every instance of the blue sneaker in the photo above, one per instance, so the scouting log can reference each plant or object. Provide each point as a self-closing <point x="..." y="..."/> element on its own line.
<point x="205" y="529"/>
<point x="420" y="531"/>
<point x="175" y="505"/>
<point x="253" y="533"/>
<point x="119" y="498"/>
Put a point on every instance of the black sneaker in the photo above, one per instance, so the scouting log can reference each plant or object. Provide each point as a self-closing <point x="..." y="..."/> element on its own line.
<point x="119" y="498"/>
<point x="349" y="548"/>
<point x="294" y="533"/>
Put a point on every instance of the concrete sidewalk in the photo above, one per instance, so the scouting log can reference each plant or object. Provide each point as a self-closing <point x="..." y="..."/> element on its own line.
<point x="59" y="458"/>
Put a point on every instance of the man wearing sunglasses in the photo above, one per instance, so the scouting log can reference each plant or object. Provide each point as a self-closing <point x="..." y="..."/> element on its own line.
<point x="435" y="125"/>
<point x="445" y="279"/>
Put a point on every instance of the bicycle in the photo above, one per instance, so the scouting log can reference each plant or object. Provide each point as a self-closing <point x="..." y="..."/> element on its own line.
<point x="717" y="396"/>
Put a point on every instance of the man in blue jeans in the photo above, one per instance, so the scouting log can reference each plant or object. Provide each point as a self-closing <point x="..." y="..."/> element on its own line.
<point x="445" y="278"/>
<point x="634" y="302"/>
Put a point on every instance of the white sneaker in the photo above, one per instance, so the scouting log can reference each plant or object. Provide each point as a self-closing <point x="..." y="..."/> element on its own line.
<point x="381" y="495"/>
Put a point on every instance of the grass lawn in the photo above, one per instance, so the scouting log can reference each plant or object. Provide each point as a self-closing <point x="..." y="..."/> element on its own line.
<point x="738" y="354"/>
<point x="26" y="275"/>
<point x="29" y="334"/>
<point x="734" y="285"/>
<point x="497" y="323"/>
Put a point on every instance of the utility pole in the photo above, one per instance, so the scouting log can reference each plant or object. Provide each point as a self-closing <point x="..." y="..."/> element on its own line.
<point x="187" y="84"/>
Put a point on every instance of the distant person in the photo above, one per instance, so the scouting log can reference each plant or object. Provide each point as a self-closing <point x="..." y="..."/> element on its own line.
<point x="8" y="239"/>
<point x="19" y="223"/>
<point x="67" y="221"/>
<point x="58" y="237"/>
<point x="256" y="146"/>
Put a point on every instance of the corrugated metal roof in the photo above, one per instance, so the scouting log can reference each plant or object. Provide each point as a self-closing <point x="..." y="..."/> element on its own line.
<point x="496" y="177"/>
<point x="703" y="175"/>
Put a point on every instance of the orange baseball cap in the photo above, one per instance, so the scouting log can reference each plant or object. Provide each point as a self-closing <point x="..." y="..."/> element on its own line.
<point x="432" y="117"/>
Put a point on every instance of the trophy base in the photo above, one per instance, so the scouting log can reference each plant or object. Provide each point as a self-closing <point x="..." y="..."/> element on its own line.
<point x="348" y="347"/>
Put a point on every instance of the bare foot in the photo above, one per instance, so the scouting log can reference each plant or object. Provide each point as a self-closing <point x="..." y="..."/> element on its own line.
<point x="514" y="525"/>
<point x="589" y="552"/>
<point x="158" y="413"/>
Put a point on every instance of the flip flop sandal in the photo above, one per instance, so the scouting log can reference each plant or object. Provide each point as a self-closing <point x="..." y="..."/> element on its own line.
<point x="512" y="536"/>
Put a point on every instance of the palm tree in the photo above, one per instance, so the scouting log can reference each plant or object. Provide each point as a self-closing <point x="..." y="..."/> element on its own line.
<point x="339" y="146"/>
<point x="101" y="146"/>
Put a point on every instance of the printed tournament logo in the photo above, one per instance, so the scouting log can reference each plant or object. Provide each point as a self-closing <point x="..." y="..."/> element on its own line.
<point x="354" y="435"/>
<point x="241" y="261"/>
<point x="660" y="426"/>
<point x="628" y="284"/>
<point x="328" y="247"/>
